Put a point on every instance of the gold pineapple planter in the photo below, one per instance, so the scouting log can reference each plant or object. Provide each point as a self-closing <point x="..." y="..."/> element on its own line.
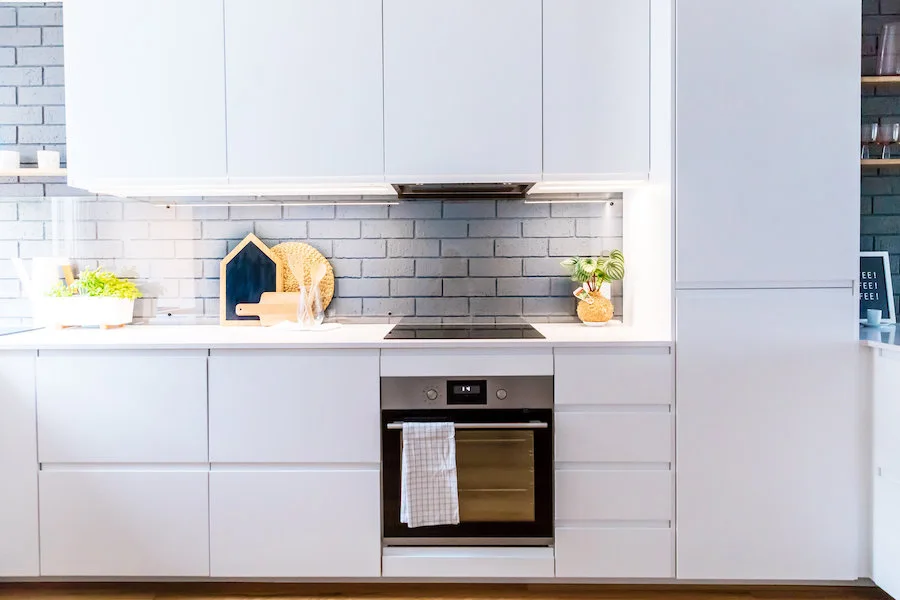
<point x="599" y="312"/>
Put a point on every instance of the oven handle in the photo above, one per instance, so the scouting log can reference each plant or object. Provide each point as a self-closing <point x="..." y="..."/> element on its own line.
<point x="532" y="425"/>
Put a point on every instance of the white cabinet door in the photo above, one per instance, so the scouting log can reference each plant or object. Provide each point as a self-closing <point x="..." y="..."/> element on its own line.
<point x="18" y="467"/>
<point x="767" y="157"/>
<point x="316" y="406"/>
<point x="304" y="89"/>
<point x="767" y="434"/>
<point x="596" y="88"/>
<point x="121" y="407"/>
<point x="145" y="92"/>
<point x="295" y="523"/>
<point x="124" y="523"/>
<point x="462" y="90"/>
<point x="886" y="490"/>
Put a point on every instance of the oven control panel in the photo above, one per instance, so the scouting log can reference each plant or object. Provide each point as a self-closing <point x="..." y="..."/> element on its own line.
<point x="466" y="392"/>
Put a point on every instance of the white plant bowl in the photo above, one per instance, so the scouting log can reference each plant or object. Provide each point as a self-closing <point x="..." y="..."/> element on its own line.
<point x="84" y="311"/>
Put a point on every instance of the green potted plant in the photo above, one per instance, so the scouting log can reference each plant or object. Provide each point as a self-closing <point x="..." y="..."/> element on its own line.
<point x="96" y="298"/>
<point x="595" y="275"/>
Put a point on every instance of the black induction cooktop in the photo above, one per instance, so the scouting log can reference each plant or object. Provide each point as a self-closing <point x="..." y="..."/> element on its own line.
<point x="463" y="331"/>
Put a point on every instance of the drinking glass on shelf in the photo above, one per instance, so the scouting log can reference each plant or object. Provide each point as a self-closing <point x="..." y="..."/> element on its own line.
<point x="889" y="50"/>
<point x="888" y="134"/>
<point x="868" y="136"/>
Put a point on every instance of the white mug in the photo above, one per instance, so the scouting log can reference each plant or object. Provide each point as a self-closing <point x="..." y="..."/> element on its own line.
<point x="9" y="160"/>
<point x="48" y="159"/>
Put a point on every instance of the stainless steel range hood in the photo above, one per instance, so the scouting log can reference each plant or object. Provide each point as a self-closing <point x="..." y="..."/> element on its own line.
<point x="461" y="191"/>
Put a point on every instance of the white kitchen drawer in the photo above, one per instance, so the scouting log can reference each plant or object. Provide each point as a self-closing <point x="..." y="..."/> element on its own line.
<point x="614" y="553"/>
<point x="316" y="406"/>
<point x="643" y="376"/>
<point x="305" y="523"/>
<point x="124" y="523"/>
<point x="466" y="362"/>
<point x="468" y="562"/>
<point x="122" y="407"/>
<point x="613" y="437"/>
<point x="584" y="495"/>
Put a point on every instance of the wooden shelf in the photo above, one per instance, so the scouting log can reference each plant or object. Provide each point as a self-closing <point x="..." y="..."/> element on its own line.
<point x="33" y="172"/>
<point x="881" y="79"/>
<point x="880" y="162"/>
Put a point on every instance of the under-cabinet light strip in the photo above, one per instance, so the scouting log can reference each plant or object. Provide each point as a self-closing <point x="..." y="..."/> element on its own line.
<point x="254" y="204"/>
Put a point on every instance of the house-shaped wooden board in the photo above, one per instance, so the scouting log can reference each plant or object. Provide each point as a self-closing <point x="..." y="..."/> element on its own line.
<point x="248" y="271"/>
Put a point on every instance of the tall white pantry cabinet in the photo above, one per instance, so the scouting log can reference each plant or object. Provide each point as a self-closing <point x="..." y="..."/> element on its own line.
<point x="768" y="471"/>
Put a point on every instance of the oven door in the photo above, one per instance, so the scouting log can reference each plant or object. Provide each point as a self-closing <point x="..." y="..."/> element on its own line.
<point x="504" y="464"/>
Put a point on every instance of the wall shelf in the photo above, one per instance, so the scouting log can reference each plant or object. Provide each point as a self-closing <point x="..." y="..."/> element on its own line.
<point x="881" y="79"/>
<point x="32" y="172"/>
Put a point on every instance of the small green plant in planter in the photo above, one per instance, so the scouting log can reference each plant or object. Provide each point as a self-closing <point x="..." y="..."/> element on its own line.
<point x="98" y="283"/>
<point x="96" y="298"/>
<point x="594" y="273"/>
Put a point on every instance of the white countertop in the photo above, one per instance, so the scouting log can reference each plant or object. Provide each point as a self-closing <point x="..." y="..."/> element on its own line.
<point x="347" y="336"/>
<point x="884" y="337"/>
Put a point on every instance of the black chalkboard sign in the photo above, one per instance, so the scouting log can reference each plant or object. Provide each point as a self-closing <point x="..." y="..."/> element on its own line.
<point x="875" y="289"/>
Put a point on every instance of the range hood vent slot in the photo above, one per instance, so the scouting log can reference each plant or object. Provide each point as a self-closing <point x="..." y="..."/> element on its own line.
<point x="462" y="191"/>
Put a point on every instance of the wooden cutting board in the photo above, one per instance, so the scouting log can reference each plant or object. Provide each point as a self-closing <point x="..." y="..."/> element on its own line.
<point x="272" y="308"/>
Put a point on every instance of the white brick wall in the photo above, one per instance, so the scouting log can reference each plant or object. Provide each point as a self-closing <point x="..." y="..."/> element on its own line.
<point x="430" y="258"/>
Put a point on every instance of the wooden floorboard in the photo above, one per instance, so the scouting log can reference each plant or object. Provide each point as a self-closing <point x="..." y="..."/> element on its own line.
<point x="376" y="591"/>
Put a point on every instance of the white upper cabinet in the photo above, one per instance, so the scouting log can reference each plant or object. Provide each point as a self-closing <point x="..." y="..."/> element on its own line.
<point x="596" y="89"/>
<point x="145" y="92"/>
<point x="767" y="141"/>
<point x="304" y="90"/>
<point x="462" y="90"/>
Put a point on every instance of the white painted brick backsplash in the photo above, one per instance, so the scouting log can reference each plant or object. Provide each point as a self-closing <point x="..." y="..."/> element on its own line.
<point x="174" y="230"/>
<point x="40" y="16"/>
<point x="51" y="36"/>
<point x="451" y="259"/>
<point x="7" y="94"/>
<point x="7" y="16"/>
<point x="20" y="36"/>
<point x="44" y="55"/>
<point x="149" y="249"/>
<point x="52" y="95"/>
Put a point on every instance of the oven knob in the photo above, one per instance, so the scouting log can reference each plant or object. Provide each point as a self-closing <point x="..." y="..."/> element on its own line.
<point x="431" y="395"/>
<point x="501" y="394"/>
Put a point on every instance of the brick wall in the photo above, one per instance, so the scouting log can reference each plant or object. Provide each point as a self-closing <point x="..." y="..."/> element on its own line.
<point x="880" y="188"/>
<point x="428" y="258"/>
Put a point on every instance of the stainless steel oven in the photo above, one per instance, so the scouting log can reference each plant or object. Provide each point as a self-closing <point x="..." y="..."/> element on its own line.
<point x="504" y="457"/>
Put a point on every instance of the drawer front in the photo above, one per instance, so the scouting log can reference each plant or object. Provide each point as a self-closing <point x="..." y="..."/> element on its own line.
<point x="583" y="495"/>
<point x="122" y="407"/>
<point x="466" y="362"/>
<point x="614" y="553"/>
<point x="613" y="437"/>
<point x="294" y="407"/>
<point x="306" y="523"/>
<point x="637" y="377"/>
<point x="124" y="524"/>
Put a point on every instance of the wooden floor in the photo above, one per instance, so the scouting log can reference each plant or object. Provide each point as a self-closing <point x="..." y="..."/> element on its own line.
<point x="222" y="591"/>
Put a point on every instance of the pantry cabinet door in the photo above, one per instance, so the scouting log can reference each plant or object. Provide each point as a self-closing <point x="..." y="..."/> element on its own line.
<point x="127" y="523"/>
<point x="596" y="89"/>
<point x="886" y="476"/>
<point x="767" y="143"/>
<point x="304" y="89"/>
<point x="145" y="92"/>
<point x="302" y="523"/>
<point x="18" y="466"/>
<point x="462" y="90"/>
<point x="767" y="435"/>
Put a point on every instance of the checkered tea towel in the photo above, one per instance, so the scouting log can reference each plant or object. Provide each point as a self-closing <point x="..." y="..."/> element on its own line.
<point x="428" y="485"/>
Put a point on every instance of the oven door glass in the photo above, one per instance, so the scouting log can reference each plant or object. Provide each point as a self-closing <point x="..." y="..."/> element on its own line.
<point x="505" y="478"/>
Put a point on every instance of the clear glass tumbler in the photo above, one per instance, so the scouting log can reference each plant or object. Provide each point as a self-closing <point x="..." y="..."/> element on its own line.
<point x="868" y="136"/>
<point x="889" y="50"/>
